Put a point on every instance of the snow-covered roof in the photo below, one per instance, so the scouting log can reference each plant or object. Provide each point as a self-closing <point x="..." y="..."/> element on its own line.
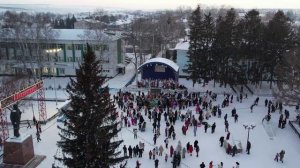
<point x="83" y="34"/>
<point x="62" y="34"/>
<point x="168" y="62"/>
<point x="182" y="45"/>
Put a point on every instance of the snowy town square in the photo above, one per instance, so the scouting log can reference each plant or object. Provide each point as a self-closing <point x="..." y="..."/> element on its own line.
<point x="149" y="84"/>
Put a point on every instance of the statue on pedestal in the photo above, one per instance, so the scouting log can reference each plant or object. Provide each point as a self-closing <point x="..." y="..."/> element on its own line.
<point x="15" y="117"/>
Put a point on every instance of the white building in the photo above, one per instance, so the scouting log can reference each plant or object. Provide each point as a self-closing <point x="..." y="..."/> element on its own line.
<point x="61" y="55"/>
<point x="182" y="60"/>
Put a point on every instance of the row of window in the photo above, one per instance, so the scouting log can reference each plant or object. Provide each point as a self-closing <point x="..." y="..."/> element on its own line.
<point x="99" y="47"/>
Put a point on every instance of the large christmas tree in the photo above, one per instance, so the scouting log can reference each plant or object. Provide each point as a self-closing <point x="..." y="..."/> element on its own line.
<point x="88" y="139"/>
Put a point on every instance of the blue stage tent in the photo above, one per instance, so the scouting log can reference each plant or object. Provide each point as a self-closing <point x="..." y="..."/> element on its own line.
<point x="159" y="68"/>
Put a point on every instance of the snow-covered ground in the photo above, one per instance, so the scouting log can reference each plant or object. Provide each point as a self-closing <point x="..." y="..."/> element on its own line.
<point x="266" y="138"/>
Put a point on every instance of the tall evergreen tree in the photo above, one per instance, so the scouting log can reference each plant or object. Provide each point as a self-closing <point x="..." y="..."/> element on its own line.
<point x="88" y="139"/>
<point x="278" y="38"/>
<point x="194" y="51"/>
<point x="199" y="53"/>
<point x="226" y="47"/>
<point x="207" y="38"/>
<point x="252" y="45"/>
<point x="73" y="20"/>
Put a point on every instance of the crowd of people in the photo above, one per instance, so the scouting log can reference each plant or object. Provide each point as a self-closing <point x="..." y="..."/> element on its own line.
<point x="183" y="108"/>
<point x="162" y="83"/>
<point x="191" y="109"/>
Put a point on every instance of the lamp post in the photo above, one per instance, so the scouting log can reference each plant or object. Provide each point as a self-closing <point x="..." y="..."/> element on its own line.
<point x="53" y="65"/>
<point x="248" y="127"/>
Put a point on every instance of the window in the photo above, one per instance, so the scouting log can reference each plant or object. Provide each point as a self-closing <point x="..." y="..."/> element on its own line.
<point x="84" y="47"/>
<point x="70" y="59"/>
<point x="78" y="46"/>
<point x="61" y="70"/>
<point x="45" y="70"/>
<point x="69" y="46"/>
<point x="96" y="47"/>
<point x="105" y="47"/>
<point x="78" y="59"/>
<point x="61" y="46"/>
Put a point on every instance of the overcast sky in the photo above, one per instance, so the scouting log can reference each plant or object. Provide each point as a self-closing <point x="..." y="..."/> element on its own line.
<point x="165" y="4"/>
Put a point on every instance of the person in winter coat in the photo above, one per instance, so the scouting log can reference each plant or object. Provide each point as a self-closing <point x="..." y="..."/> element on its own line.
<point x="221" y="141"/>
<point x="38" y="136"/>
<point x="184" y="129"/>
<point x="28" y="124"/>
<point x="166" y="131"/>
<point x="220" y="165"/>
<point x="174" y="135"/>
<point x="166" y="142"/>
<point x="248" y="147"/>
<point x="213" y="127"/>
<point x="125" y="150"/>
<point x="150" y="154"/>
<point x="135" y="133"/>
<point x="191" y="150"/>
<point x="281" y="155"/>
<point x="166" y="157"/>
<point x="187" y="146"/>
<point x="228" y="135"/>
<point x="197" y="150"/>
<point x="234" y="150"/>
<point x="138" y="164"/>
<point x="226" y="126"/>
<point x="171" y="151"/>
<point x="236" y="118"/>
<point x="183" y="152"/>
<point x="210" y="164"/>
<point x="130" y="151"/>
<point x="154" y="139"/>
<point x="156" y="163"/>
<point x="266" y="102"/>
<point x="237" y="165"/>
<point x="195" y="131"/>
<point x="179" y="147"/>
<point x="202" y="165"/>
<point x="205" y="127"/>
<point x="161" y="150"/>
<point x="153" y="153"/>
<point x="225" y="117"/>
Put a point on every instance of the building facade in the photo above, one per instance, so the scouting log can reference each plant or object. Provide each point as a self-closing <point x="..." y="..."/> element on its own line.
<point x="61" y="55"/>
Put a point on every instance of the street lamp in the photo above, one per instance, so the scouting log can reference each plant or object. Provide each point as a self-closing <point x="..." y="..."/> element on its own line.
<point x="53" y="66"/>
<point x="248" y="127"/>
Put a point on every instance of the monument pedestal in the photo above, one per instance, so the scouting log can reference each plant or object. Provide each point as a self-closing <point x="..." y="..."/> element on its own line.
<point x="18" y="151"/>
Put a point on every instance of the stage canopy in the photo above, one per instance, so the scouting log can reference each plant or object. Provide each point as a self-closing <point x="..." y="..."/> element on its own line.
<point x="159" y="68"/>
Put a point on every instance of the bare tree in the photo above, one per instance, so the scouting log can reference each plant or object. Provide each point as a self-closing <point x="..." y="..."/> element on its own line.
<point x="30" y="35"/>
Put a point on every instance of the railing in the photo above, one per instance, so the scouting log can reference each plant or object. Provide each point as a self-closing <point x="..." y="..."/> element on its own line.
<point x="296" y="131"/>
<point x="249" y="89"/>
<point x="130" y="81"/>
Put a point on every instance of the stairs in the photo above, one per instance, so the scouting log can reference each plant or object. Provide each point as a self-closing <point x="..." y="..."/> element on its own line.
<point x="33" y="163"/>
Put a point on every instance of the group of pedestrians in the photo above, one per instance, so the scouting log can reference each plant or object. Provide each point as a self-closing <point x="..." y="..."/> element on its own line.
<point x="173" y="108"/>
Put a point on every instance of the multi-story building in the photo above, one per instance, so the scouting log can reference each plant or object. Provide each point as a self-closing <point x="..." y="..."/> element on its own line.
<point x="62" y="54"/>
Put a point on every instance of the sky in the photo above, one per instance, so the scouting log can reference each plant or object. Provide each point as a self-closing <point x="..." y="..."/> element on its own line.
<point x="165" y="4"/>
